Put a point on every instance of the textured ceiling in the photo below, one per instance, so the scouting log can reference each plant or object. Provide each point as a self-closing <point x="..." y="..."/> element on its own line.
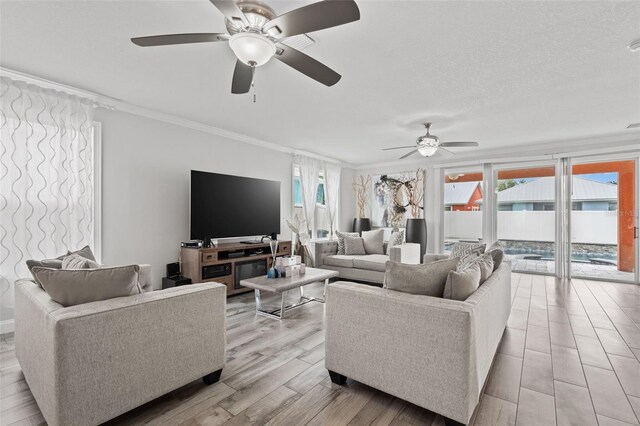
<point x="502" y="73"/>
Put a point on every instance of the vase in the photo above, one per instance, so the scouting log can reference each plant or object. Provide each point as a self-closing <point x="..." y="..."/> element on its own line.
<point x="416" y="232"/>
<point x="361" y="224"/>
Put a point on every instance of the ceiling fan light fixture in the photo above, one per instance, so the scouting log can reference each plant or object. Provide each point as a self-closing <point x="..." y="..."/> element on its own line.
<point x="252" y="49"/>
<point x="427" y="150"/>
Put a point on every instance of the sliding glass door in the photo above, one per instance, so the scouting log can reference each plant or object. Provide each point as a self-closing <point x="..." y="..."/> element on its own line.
<point x="603" y="220"/>
<point x="525" y="205"/>
<point x="463" y="212"/>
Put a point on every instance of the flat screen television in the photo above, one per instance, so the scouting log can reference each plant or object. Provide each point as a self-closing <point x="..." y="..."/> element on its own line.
<point x="225" y="206"/>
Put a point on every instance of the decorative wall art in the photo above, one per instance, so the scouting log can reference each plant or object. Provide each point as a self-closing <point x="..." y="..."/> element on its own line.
<point x="397" y="197"/>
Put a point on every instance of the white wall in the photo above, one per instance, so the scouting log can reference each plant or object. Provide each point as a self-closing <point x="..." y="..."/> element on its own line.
<point x="145" y="184"/>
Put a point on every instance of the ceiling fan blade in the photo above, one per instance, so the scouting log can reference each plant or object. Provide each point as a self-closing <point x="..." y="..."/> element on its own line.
<point x="307" y="65"/>
<point x="242" y="78"/>
<point x="399" y="147"/>
<point x="409" y="154"/>
<point x="314" y="17"/>
<point x="458" y="144"/>
<point x="230" y="10"/>
<point x="444" y="152"/>
<point x="168" y="39"/>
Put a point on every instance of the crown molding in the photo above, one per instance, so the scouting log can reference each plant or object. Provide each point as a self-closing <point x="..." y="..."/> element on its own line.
<point x="114" y="104"/>
<point x="619" y="142"/>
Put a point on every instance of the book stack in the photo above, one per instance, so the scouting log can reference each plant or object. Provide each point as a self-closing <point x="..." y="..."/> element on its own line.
<point x="290" y="266"/>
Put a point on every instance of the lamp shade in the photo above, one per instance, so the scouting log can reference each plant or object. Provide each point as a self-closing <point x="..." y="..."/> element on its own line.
<point x="361" y="224"/>
<point x="252" y="49"/>
<point x="427" y="150"/>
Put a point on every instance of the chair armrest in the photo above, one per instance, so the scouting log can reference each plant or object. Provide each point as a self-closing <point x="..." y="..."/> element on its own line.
<point x="405" y="253"/>
<point x="433" y="257"/>
<point x="323" y="249"/>
<point x="418" y="348"/>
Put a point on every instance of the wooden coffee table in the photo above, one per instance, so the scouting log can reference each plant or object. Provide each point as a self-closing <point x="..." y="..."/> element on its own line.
<point x="282" y="285"/>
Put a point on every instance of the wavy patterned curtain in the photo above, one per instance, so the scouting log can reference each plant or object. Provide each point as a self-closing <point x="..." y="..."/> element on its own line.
<point x="46" y="178"/>
<point x="332" y="191"/>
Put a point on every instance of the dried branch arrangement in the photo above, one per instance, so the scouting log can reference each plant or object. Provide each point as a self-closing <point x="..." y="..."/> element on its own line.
<point x="361" y="187"/>
<point x="415" y="193"/>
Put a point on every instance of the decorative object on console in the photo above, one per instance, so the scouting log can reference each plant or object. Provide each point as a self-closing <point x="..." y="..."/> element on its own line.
<point x="298" y="227"/>
<point x="361" y="224"/>
<point x="273" y="272"/>
<point x="397" y="197"/>
<point x="417" y="233"/>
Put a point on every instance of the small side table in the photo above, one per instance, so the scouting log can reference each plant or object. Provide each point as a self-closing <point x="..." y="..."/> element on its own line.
<point x="168" y="282"/>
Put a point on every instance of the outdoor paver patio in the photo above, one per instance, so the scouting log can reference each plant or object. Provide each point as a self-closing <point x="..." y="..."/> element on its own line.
<point x="607" y="272"/>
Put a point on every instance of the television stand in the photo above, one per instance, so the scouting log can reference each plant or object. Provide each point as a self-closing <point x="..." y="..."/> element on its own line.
<point x="207" y="264"/>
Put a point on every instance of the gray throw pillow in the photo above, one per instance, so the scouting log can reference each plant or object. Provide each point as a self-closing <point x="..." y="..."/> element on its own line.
<point x="463" y="249"/>
<point x="341" y="236"/>
<point x="467" y="259"/>
<point x="396" y="239"/>
<point x="497" y="253"/>
<point x="84" y="252"/>
<point x="485" y="262"/>
<point x="71" y="287"/>
<point x="75" y="261"/>
<point x="461" y="284"/>
<point x="46" y="263"/>
<point x="428" y="279"/>
<point x="354" y="246"/>
<point x="373" y="241"/>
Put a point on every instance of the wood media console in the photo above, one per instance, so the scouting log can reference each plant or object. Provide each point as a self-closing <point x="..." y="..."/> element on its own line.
<point x="229" y="263"/>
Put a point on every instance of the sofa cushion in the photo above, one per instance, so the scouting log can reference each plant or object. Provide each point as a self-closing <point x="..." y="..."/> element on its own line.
<point x="462" y="284"/>
<point x="84" y="252"/>
<point x="463" y="249"/>
<point x="340" y="260"/>
<point x="371" y="262"/>
<point x="341" y="236"/>
<point x="373" y="241"/>
<point x="485" y="262"/>
<point x="71" y="287"/>
<point x="428" y="280"/>
<point x="46" y="263"/>
<point x="75" y="261"/>
<point x="354" y="246"/>
<point x="497" y="253"/>
<point x="396" y="238"/>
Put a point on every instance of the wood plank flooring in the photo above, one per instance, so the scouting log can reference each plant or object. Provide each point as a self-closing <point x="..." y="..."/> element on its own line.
<point x="570" y="355"/>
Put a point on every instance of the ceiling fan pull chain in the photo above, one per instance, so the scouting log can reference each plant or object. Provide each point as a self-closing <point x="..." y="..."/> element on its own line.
<point x="253" y="83"/>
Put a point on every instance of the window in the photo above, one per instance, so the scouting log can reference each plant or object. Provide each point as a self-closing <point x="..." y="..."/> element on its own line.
<point x="321" y="226"/>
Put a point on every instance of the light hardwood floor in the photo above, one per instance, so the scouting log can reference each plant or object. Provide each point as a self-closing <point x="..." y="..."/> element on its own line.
<point x="570" y="355"/>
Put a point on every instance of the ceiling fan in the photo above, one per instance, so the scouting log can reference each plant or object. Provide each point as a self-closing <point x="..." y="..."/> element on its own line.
<point x="256" y="34"/>
<point x="427" y="145"/>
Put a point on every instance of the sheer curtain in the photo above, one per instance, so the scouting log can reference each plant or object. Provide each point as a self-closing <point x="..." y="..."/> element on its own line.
<point x="332" y="192"/>
<point x="309" y="171"/>
<point x="46" y="178"/>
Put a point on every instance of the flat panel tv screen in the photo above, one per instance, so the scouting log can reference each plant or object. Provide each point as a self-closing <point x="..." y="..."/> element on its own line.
<point x="224" y="206"/>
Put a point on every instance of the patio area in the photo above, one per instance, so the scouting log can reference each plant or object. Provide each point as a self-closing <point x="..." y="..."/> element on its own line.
<point x="607" y="272"/>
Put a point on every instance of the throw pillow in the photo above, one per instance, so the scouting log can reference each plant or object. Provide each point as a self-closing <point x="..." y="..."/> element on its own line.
<point x="462" y="249"/>
<point x="461" y="284"/>
<point x="84" y="252"/>
<point x="467" y="259"/>
<point x="71" y="287"/>
<point x="354" y="246"/>
<point x="428" y="279"/>
<point x="341" y="236"/>
<point x="75" y="261"/>
<point x="373" y="241"/>
<point x="396" y="239"/>
<point x="485" y="262"/>
<point x="46" y="263"/>
<point x="497" y="253"/>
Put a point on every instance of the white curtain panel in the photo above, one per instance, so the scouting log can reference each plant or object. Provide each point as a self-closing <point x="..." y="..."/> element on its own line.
<point x="46" y="179"/>
<point x="309" y="171"/>
<point x="332" y="191"/>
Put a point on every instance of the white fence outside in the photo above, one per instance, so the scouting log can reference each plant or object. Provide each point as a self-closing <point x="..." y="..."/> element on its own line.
<point x="588" y="227"/>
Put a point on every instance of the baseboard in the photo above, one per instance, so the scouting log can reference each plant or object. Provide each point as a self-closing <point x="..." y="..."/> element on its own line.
<point x="7" y="326"/>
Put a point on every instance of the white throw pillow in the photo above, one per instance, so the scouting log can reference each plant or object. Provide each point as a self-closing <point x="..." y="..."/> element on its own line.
<point x="75" y="261"/>
<point x="373" y="241"/>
